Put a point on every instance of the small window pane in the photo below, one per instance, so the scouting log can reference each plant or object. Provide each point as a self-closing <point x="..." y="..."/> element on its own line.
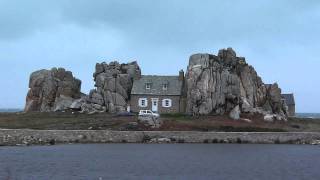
<point x="165" y="87"/>
<point x="148" y="86"/>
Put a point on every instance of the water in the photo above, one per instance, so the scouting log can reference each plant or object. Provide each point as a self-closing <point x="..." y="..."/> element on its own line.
<point x="168" y="161"/>
<point x="308" y="115"/>
<point x="10" y="110"/>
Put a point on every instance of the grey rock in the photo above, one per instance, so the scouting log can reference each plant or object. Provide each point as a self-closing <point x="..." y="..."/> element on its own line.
<point x="63" y="102"/>
<point x="219" y="84"/>
<point x="96" y="98"/>
<point x="269" y="118"/>
<point x="245" y="106"/>
<point x="235" y="113"/>
<point x="150" y="121"/>
<point x="51" y="90"/>
<point x="76" y="104"/>
<point x="113" y="84"/>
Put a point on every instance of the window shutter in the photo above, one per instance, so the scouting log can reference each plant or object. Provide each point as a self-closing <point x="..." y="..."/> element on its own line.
<point x="166" y="103"/>
<point x="145" y="102"/>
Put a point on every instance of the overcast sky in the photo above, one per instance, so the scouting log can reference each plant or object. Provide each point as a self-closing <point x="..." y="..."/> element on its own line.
<point x="280" y="38"/>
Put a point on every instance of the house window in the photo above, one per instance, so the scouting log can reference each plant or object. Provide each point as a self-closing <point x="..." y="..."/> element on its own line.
<point x="166" y="103"/>
<point x="165" y="87"/>
<point x="148" y="85"/>
<point x="143" y="102"/>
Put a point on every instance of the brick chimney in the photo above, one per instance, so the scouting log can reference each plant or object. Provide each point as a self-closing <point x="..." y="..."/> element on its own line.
<point x="181" y="75"/>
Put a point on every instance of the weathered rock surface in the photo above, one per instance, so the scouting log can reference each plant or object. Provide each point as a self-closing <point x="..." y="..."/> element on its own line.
<point x="219" y="84"/>
<point x="235" y="113"/>
<point x="113" y="84"/>
<point x="150" y="121"/>
<point x="52" y="90"/>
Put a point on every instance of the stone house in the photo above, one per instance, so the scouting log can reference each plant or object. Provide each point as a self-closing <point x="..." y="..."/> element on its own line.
<point x="162" y="94"/>
<point x="289" y="99"/>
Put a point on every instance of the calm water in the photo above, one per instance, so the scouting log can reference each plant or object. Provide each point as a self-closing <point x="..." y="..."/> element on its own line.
<point x="308" y="115"/>
<point x="169" y="161"/>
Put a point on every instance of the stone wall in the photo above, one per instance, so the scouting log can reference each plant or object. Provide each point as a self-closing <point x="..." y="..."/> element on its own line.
<point x="43" y="137"/>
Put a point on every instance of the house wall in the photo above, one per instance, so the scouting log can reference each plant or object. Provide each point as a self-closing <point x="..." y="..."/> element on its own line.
<point x="292" y="110"/>
<point x="175" y="107"/>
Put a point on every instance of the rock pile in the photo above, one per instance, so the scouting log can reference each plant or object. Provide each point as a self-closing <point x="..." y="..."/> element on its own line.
<point x="227" y="84"/>
<point x="52" y="90"/>
<point x="113" y="84"/>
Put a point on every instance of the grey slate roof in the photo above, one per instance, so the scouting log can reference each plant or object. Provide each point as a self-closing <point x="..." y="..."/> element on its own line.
<point x="174" y="85"/>
<point x="289" y="98"/>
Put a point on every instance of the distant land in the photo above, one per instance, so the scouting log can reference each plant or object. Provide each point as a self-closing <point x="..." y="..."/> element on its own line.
<point x="308" y="115"/>
<point x="10" y="110"/>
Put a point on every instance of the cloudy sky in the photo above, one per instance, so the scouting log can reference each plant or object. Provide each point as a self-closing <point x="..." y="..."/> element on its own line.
<point x="280" y="38"/>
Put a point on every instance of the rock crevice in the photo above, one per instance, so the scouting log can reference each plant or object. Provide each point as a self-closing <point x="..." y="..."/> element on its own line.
<point x="113" y="84"/>
<point x="220" y="84"/>
<point x="52" y="90"/>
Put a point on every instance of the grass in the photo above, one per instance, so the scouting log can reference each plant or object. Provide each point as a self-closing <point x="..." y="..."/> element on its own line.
<point x="172" y="122"/>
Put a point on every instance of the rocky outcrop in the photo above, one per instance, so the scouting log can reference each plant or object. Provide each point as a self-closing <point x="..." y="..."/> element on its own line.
<point x="213" y="85"/>
<point x="52" y="90"/>
<point x="113" y="84"/>
<point x="220" y="84"/>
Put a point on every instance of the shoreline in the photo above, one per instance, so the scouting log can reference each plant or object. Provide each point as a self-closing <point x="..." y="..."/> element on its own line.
<point x="26" y="137"/>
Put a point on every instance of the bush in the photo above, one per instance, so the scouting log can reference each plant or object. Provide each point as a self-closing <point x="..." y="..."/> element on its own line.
<point x="206" y="141"/>
<point x="215" y="141"/>
<point x="277" y="141"/>
<point x="52" y="142"/>
<point x="146" y="138"/>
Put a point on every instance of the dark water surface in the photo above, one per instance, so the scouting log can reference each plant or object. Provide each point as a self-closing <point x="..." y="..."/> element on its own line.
<point x="154" y="161"/>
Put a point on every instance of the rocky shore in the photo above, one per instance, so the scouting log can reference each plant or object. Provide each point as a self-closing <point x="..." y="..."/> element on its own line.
<point x="26" y="137"/>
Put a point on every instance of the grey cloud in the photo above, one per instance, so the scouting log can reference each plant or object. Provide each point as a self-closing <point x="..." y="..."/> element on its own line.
<point x="22" y="18"/>
<point x="165" y="21"/>
<point x="178" y="22"/>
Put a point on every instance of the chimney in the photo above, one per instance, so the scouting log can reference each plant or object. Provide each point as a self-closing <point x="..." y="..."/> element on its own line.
<point x="181" y="75"/>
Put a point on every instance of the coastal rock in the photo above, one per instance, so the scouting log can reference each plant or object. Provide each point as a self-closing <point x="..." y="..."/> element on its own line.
<point x="113" y="84"/>
<point x="150" y="121"/>
<point x="269" y="118"/>
<point x="220" y="84"/>
<point x="52" y="90"/>
<point x="235" y="113"/>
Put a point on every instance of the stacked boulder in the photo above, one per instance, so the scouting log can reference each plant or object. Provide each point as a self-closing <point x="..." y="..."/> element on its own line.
<point x="227" y="84"/>
<point x="52" y="90"/>
<point x="213" y="85"/>
<point x="113" y="84"/>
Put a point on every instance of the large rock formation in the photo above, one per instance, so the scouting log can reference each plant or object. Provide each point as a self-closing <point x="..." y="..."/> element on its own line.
<point x="113" y="84"/>
<point x="213" y="85"/>
<point x="52" y="90"/>
<point x="221" y="84"/>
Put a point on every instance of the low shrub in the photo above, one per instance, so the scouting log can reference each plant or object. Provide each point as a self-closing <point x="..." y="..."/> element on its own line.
<point x="215" y="141"/>
<point x="206" y="141"/>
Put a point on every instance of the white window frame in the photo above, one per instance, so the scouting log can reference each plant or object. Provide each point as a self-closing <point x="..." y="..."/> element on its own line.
<point x="145" y="102"/>
<point x="167" y="103"/>
<point x="148" y="86"/>
<point x="165" y="87"/>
